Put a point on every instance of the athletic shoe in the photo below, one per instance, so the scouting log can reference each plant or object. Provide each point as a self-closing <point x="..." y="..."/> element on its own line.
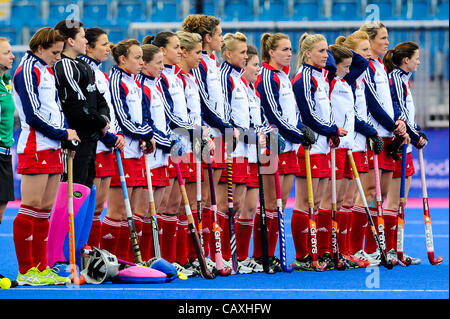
<point x="414" y="260"/>
<point x="251" y="263"/>
<point x="227" y="263"/>
<point x="33" y="277"/>
<point x="52" y="273"/>
<point x="348" y="262"/>
<point x="362" y="255"/>
<point x="328" y="260"/>
<point x="242" y="269"/>
<point x="375" y="256"/>
<point x="276" y="263"/>
<point x="391" y="255"/>
<point x="211" y="265"/>
<point x="361" y="263"/>
<point x="187" y="269"/>
<point x="303" y="265"/>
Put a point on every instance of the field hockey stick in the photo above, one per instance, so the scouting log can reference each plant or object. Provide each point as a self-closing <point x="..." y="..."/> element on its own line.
<point x="379" y="201"/>
<point x="153" y="219"/>
<point x="267" y="267"/>
<point x="426" y="214"/>
<point x="131" y="226"/>
<point x="312" y="218"/>
<point x="71" y="236"/>
<point x="281" y="231"/>
<point x="384" y="261"/>
<point x="216" y="228"/>
<point x="205" y="273"/>
<point x="334" y="224"/>
<point x="401" y="212"/>
<point x="231" y="212"/>
<point x="198" y="184"/>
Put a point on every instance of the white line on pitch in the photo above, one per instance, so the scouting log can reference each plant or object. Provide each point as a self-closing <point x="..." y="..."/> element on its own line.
<point x="231" y="289"/>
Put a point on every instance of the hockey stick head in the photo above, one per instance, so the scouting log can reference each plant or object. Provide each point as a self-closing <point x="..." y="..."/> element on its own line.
<point x="434" y="261"/>
<point x="207" y="274"/>
<point x="288" y="268"/>
<point x="224" y="272"/>
<point x="406" y="261"/>
<point x="388" y="264"/>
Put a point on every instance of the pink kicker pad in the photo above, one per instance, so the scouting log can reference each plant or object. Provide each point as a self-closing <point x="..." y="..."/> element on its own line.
<point x="59" y="220"/>
<point x="141" y="275"/>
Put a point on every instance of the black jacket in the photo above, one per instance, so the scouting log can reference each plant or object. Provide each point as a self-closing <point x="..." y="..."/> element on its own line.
<point x="84" y="107"/>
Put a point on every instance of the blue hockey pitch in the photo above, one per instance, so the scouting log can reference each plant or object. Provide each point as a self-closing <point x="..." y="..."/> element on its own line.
<point x="422" y="281"/>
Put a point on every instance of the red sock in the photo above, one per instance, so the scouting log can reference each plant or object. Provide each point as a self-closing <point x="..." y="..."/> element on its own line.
<point x="23" y="237"/>
<point x="390" y="228"/>
<point x="244" y="229"/>
<point x="123" y="247"/>
<point x="272" y="227"/>
<point x="300" y="233"/>
<point x="181" y="240"/>
<point x="191" y="253"/>
<point x="169" y="233"/>
<point x="324" y="224"/>
<point x="371" y="245"/>
<point x="110" y="234"/>
<point x="95" y="233"/>
<point x="358" y="225"/>
<point x="257" y="235"/>
<point x="225" y="237"/>
<point x="349" y="227"/>
<point x="40" y="236"/>
<point x="342" y="220"/>
<point x="146" y="242"/>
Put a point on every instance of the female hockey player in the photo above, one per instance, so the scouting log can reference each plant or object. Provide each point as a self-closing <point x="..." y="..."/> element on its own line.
<point x="97" y="51"/>
<point x="39" y="155"/>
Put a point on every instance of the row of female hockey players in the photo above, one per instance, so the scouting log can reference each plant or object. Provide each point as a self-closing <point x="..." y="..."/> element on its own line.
<point x="342" y="96"/>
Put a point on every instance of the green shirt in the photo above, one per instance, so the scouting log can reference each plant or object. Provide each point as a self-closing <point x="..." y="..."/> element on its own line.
<point x="6" y="112"/>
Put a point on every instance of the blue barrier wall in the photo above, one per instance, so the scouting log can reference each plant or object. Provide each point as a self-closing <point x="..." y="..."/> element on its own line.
<point x="435" y="158"/>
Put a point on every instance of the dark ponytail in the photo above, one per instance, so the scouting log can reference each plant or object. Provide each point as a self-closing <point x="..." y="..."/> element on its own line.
<point x="394" y="58"/>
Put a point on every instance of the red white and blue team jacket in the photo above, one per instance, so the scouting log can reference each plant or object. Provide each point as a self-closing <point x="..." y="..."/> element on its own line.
<point x="192" y="95"/>
<point x="153" y="100"/>
<point x="383" y="111"/>
<point x="258" y="120"/>
<point x="401" y="95"/>
<point x="36" y="99"/>
<point x="235" y="102"/>
<point x="193" y="104"/>
<point x="210" y="88"/>
<point x="274" y="89"/>
<point x="342" y="100"/>
<point x="312" y="91"/>
<point x="175" y="103"/>
<point x="102" y="82"/>
<point x="363" y="125"/>
<point x="131" y="114"/>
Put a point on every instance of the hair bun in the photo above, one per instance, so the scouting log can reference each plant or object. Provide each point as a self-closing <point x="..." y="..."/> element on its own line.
<point x="148" y="39"/>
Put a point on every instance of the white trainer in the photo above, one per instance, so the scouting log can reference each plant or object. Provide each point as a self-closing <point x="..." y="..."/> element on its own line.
<point x="251" y="263"/>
